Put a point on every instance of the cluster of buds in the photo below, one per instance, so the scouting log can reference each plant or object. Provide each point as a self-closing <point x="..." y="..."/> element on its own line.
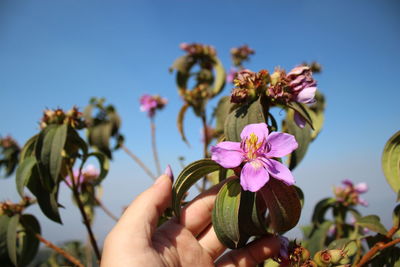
<point x="72" y="118"/>
<point x="8" y="142"/>
<point x="298" y="85"/>
<point x="196" y="49"/>
<point x="332" y="257"/>
<point x="87" y="176"/>
<point x="9" y="208"/>
<point x="197" y="95"/>
<point x="240" y="54"/>
<point x="150" y="104"/>
<point x="349" y="194"/>
<point x="249" y="85"/>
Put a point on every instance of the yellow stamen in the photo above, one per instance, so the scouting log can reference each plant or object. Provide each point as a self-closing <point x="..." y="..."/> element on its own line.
<point x="252" y="146"/>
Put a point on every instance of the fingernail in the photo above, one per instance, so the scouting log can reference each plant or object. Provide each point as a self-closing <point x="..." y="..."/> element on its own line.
<point x="168" y="172"/>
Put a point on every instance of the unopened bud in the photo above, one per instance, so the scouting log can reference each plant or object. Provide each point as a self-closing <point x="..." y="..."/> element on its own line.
<point x="309" y="263"/>
<point x="322" y="258"/>
<point x="336" y="255"/>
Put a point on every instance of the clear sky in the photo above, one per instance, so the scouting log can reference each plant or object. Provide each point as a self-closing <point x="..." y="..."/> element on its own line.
<point x="61" y="53"/>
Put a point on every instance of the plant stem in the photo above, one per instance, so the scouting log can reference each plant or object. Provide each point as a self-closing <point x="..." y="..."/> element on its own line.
<point x="154" y="146"/>
<point x="380" y="246"/>
<point x="139" y="162"/>
<point x="59" y="250"/>
<point x="86" y="220"/>
<point x="205" y="146"/>
<point x="107" y="211"/>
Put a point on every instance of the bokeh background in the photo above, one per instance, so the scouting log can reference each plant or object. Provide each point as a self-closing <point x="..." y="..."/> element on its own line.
<point x="62" y="53"/>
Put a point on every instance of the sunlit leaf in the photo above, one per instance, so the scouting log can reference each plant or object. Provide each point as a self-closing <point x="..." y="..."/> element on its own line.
<point x="391" y="162"/>
<point x="220" y="77"/>
<point x="372" y="222"/>
<point x="303" y="138"/>
<point x="23" y="174"/>
<point x="221" y="112"/>
<point x="188" y="177"/>
<point x="240" y="117"/>
<point x="57" y="146"/>
<point x="225" y="216"/>
<point x="28" y="245"/>
<point x="318" y="237"/>
<point x="4" y="221"/>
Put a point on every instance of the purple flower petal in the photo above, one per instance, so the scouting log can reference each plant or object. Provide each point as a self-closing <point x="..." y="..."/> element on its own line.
<point x="299" y="120"/>
<point x="259" y="129"/>
<point x="347" y="182"/>
<point x="227" y="154"/>
<point x="361" y="188"/>
<point x="253" y="176"/>
<point x="281" y="144"/>
<point x="279" y="171"/>
<point x="306" y="95"/>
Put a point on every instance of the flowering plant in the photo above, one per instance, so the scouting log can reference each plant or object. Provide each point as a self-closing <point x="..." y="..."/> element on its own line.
<point x="246" y="152"/>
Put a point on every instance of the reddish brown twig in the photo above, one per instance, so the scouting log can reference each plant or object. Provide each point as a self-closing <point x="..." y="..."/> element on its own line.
<point x="139" y="162"/>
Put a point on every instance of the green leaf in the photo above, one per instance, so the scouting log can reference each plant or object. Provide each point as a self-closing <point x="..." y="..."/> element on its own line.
<point x="251" y="218"/>
<point x="372" y="222"/>
<point x="317" y="114"/>
<point x="396" y="216"/>
<point x="303" y="138"/>
<point x="303" y="111"/>
<point x="318" y="216"/>
<point x="57" y="146"/>
<point x="240" y="117"/>
<point x="220" y="78"/>
<point x="221" y="112"/>
<point x="4" y="221"/>
<point x="28" y="149"/>
<point x="47" y="200"/>
<point x="28" y="243"/>
<point x="12" y="238"/>
<point x="225" y="215"/>
<point x="181" y="117"/>
<point x="24" y="172"/>
<point x="180" y="64"/>
<point x="42" y="153"/>
<point x="104" y="164"/>
<point x="318" y="237"/>
<point x="391" y="162"/>
<point x="345" y="244"/>
<point x="283" y="204"/>
<point x="188" y="177"/>
<point x="99" y="137"/>
<point x="300" y="194"/>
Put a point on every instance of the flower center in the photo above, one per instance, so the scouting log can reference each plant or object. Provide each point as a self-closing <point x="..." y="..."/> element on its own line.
<point x="252" y="146"/>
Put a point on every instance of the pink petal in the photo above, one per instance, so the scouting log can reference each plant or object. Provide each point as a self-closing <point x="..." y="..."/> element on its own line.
<point x="347" y="182"/>
<point x="281" y="144"/>
<point x="253" y="176"/>
<point x="259" y="129"/>
<point x="306" y="95"/>
<point x="361" y="187"/>
<point x="279" y="171"/>
<point x="227" y="154"/>
<point x="299" y="120"/>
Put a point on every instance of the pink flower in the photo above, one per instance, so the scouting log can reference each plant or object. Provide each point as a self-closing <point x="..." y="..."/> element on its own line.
<point x="257" y="150"/>
<point x="150" y="104"/>
<point x="88" y="174"/>
<point x="231" y="75"/>
<point x="349" y="194"/>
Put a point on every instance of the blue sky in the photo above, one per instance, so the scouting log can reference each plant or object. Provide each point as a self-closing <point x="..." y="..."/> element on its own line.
<point x="61" y="53"/>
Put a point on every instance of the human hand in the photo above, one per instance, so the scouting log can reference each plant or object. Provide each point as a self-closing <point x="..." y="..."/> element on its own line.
<point x="190" y="241"/>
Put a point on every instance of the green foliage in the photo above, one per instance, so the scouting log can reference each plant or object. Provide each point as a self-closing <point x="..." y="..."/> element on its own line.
<point x="9" y="154"/>
<point x="391" y="162"/>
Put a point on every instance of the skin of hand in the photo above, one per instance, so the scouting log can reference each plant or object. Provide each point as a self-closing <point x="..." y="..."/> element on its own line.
<point x="190" y="241"/>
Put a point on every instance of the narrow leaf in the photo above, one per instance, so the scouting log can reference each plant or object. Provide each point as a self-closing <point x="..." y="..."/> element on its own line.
<point x="188" y="177"/>
<point x="318" y="216"/>
<point x="29" y="245"/>
<point x="4" y="221"/>
<point x="220" y="78"/>
<point x="28" y="149"/>
<point x="225" y="216"/>
<point x="181" y="117"/>
<point x="23" y="174"/>
<point x="391" y="162"/>
<point x="221" y="112"/>
<point x="58" y="143"/>
<point x="12" y="238"/>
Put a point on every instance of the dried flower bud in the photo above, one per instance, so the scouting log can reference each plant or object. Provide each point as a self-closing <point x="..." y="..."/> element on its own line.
<point x="240" y="54"/>
<point x="198" y="49"/>
<point x="309" y="263"/>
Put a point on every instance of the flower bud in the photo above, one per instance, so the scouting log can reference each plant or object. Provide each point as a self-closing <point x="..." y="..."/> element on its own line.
<point x="309" y="263"/>
<point x="322" y="258"/>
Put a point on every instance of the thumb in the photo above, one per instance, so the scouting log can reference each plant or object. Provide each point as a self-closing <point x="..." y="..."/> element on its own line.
<point x="143" y="213"/>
